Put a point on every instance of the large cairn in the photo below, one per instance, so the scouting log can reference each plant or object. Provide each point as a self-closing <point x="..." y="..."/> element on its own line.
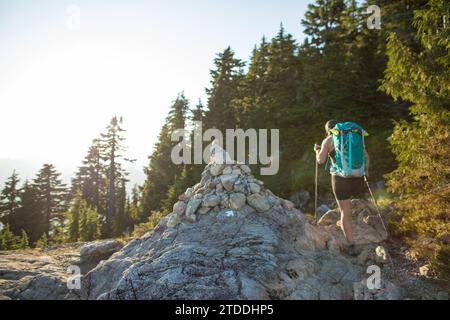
<point x="225" y="186"/>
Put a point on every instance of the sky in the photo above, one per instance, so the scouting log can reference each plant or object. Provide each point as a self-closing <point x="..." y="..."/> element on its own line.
<point x="67" y="67"/>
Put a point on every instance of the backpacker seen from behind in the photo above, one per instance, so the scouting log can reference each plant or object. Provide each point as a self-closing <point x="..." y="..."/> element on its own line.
<point x="348" y="142"/>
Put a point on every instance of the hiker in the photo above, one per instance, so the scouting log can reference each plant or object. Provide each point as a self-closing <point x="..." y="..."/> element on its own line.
<point x="344" y="147"/>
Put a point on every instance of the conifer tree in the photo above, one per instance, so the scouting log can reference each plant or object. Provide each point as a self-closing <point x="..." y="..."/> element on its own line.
<point x="90" y="178"/>
<point x="24" y="243"/>
<point x="8" y="241"/>
<point x="73" y="217"/>
<point x="30" y="216"/>
<point x="123" y="221"/>
<point x="161" y="172"/>
<point x="51" y="193"/>
<point x="422" y="178"/>
<point x="9" y="199"/>
<point x="111" y="150"/>
<point x="226" y="76"/>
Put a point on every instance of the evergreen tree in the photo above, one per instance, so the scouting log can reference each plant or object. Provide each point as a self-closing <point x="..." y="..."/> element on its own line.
<point x="90" y="178"/>
<point x="51" y="193"/>
<point x="134" y="204"/>
<point x="24" y="243"/>
<point x="161" y="172"/>
<point x="73" y="217"/>
<point x="89" y="225"/>
<point x="112" y="148"/>
<point x="422" y="178"/>
<point x="9" y="199"/>
<point x="43" y="242"/>
<point x="226" y="77"/>
<point x="123" y="221"/>
<point x="30" y="216"/>
<point x="8" y="241"/>
<point x="252" y="90"/>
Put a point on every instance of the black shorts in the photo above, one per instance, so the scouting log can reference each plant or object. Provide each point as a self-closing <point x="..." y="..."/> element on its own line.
<point x="347" y="188"/>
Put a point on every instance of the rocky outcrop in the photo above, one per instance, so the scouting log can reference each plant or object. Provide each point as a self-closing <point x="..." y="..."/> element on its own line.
<point x="45" y="274"/>
<point x="229" y="237"/>
<point x="37" y="275"/>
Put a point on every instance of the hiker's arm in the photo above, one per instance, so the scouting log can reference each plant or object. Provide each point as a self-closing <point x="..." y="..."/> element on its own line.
<point x="367" y="162"/>
<point x="322" y="153"/>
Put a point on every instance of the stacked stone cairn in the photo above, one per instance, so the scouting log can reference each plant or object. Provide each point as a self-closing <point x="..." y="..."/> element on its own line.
<point x="225" y="186"/>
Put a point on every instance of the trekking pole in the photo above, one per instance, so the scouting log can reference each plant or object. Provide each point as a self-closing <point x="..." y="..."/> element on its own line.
<point x="315" y="190"/>
<point x="376" y="204"/>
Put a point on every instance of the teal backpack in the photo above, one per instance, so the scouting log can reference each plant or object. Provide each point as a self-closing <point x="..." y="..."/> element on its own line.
<point x="348" y="142"/>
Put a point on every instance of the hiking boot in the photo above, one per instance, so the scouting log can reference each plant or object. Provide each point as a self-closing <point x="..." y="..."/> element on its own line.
<point x="350" y="250"/>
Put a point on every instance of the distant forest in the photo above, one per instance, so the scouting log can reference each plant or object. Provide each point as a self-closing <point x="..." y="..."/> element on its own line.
<point x="393" y="81"/>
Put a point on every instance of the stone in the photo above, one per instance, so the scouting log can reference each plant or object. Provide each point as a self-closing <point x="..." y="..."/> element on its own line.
<point x="188" y="193"/>
<point x="179" y="208"/>
<point x="228" y="170"/>
<point x="228" y="181"/>
<point x="254" y="187"/>
<point x="191" y="209"/>
<point x="274" y="201"/>
<point x="288" y="205"/>
<point x="259" y="182"/>
<point x="246" y="169"/>
<point x="224" y="201"/>
<point x="211" y="201"/>
<point x="173" y="221"/>
<point x="300" y="199"/>
<point x="236" y="171"/>
<point x="237" y="201"/>
<point x="365" y="257"/>
<point x="259" y="202"/>
<point x="239" y="187"/>
<point x="331" y="217"/>
<point x="216" y="169"/>
<point x="204" y="210"/>
<point x="94" y="252"/>
<point x="197" y="187"/>
<point x="321" y="210"/>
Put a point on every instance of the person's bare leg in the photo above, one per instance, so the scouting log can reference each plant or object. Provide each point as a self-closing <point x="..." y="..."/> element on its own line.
<point x="345" y="206"/>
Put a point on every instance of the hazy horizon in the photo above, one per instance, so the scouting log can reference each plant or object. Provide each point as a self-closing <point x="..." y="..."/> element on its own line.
<point x="60" y="84"/>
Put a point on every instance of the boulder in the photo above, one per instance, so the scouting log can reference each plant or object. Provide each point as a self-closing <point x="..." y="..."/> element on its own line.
<point x="237" y="201"/>
<point x="331" y="217"/>
<point x="322" y="209"/>
<point x="246" y="169"/>
<point x="288" y="205"/>
<point x="211" y="201"/>
<point x="228" y="181"/>
<point x="216" y="169"/>
<point x="254" y="187"/>
<point x="94" y="252"/>
<point x="259" y="202"/>
<point x="228" y="170"/>
<point x="179" y="208"/>
<point x="300" y="199"/>
<point x="191" y="208"/>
